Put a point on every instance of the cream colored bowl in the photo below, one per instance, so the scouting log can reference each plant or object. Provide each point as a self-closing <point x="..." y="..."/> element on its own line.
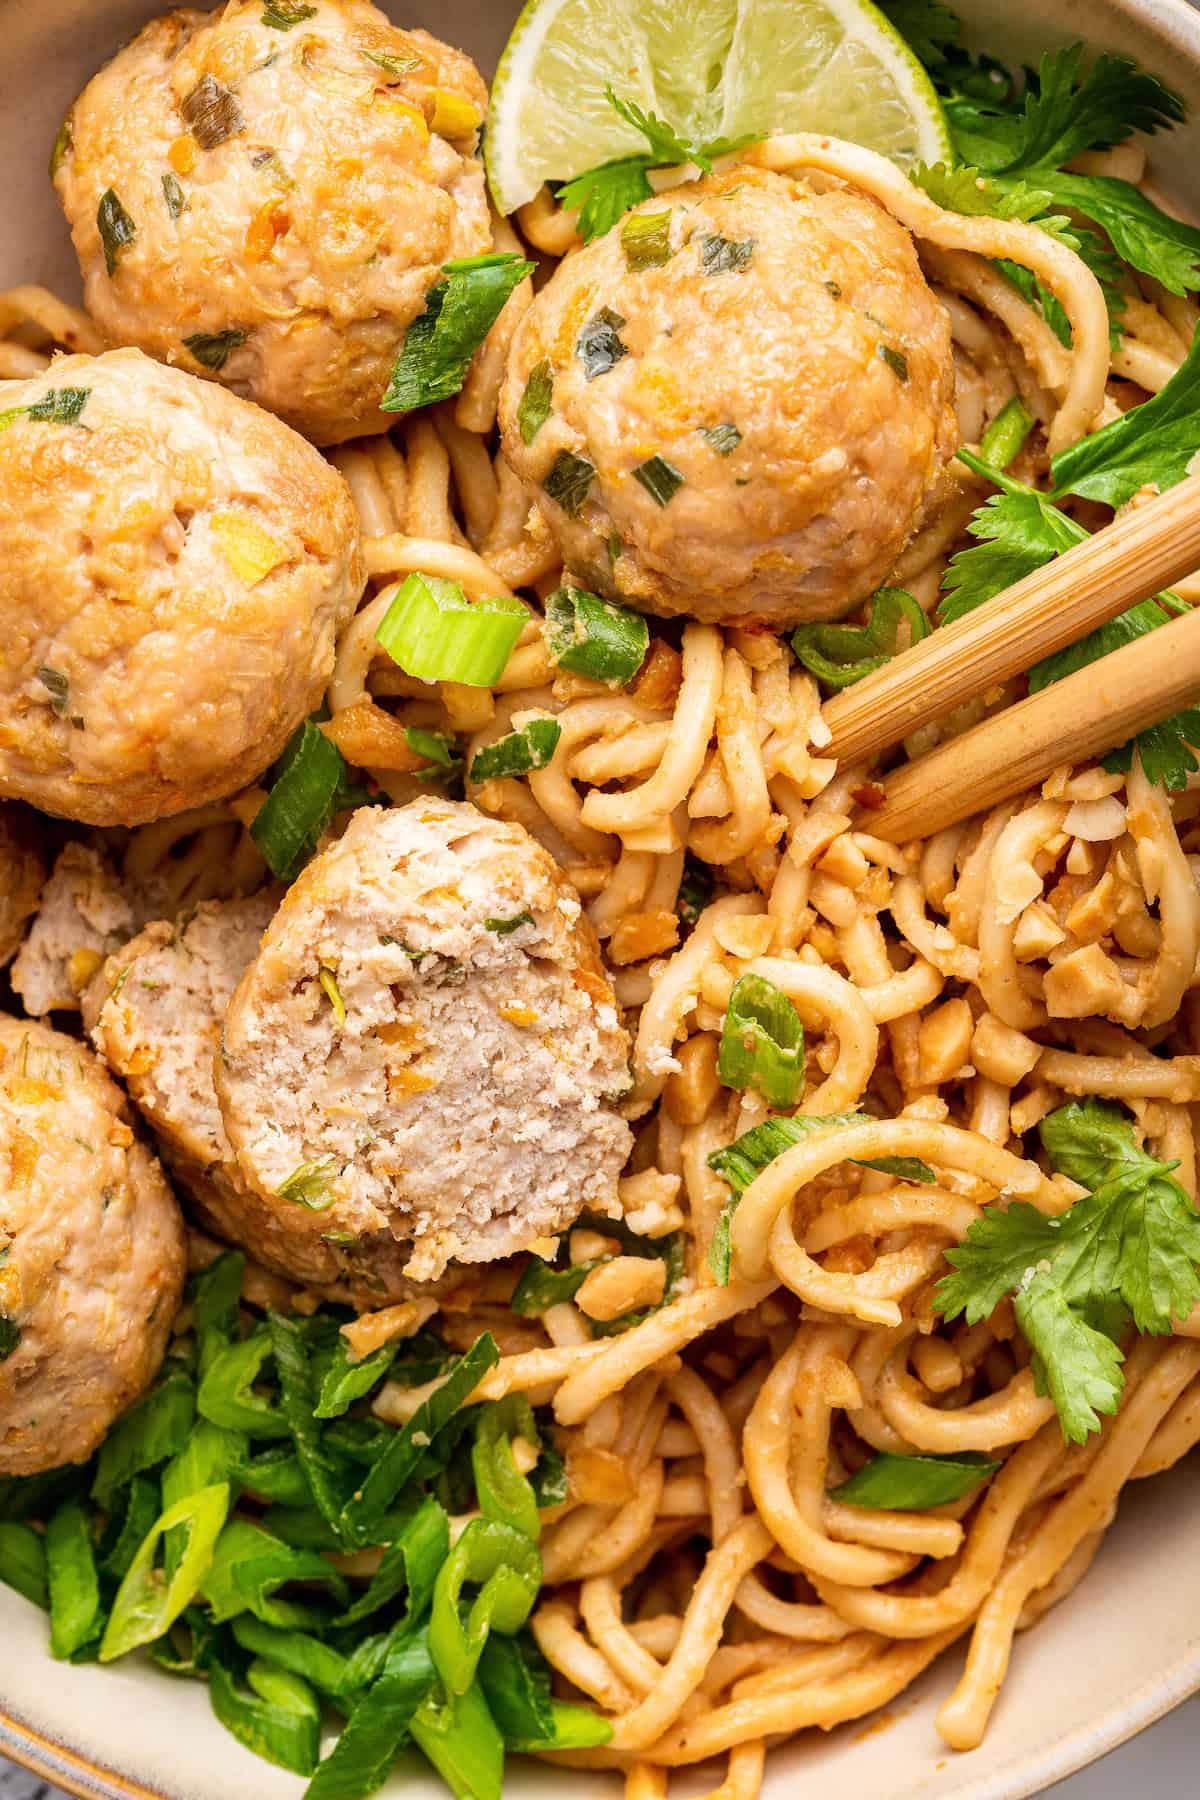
<point x="1118" y="1654"/>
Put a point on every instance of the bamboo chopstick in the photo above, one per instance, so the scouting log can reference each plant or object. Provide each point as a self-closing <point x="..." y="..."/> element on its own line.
<point x="1082" y="716"/>
<point x="1130" y="560"/>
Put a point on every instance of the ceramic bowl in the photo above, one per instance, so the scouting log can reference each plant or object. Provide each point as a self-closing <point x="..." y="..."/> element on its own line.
<point x="1118" y="1654"/>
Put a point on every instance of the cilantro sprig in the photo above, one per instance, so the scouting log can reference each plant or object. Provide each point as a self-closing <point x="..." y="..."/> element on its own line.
<point x="1126" y="1253"/>
<point x="606" y="193"/>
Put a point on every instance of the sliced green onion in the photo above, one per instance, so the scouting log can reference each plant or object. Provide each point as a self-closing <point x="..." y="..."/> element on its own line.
<point x="347" y="1379"/>
<point x="23" y="1561"/>
<point x="333" y="993"/>
<point x="595" y="637"/>
<point x="598" y="346"/>
<point x="896" y="361"/>
<point x="434" y="632"/>
<point x="537" y="401"/>
<point x="76" y="1611"/>
<point x="762" y="1042"/>
<point x="394" y="65"/>
<point x="211" y="113"/>
<point x="725" y="256"/>
<point x="173" y="195"/>
<point x="505" y="927"/>
<point x="504" y="1564"/>
<point x="310" y="778"/>
<point x="738" y="1164"/>
<point x="1005" y="436"/>
<point x="62" y="143"/>
<point x="661" y="479"/>
<point x="117" y="230"/>
<point x="281" y="15"/>
<point x="646" y="239"/>
<point x="695" y="891"/>
<point x="362" y="1759"/>
<point x="213" y="349"/>
<point x="146" y="1606"/>
<point x="326" y="1472"/>
<point x="915" y="1483"/>
<point x="156" y="1428"/>
<point x="460" y="310"/>
<point x="61" y="406"/>
<point x="840" y="655"/>
<point x="227" y="1395"/>
<point x="724" y="439"/>
<point x="434" y="746"/>
<point x="549" y="1478"/>
<point x="504" y="1493"/>
<point x="515" y="1679"/>
<point x="127" y="1528"/>
<point x="396" y="1465"/>
<point x="519" y="752"/>
<point x="276" y="1475"/>
<point x="542" y="1286"/>
<point x="409" y="1566"/>
<point x="460" y="1738"/>
<point x="279" y="1720"/>
<point x="311" y="1184"/>
<point x="58" y="688"/>
<point x="249" y="1566"/>
<point x="296" y="1651"/>
<point x="569" y="482"/>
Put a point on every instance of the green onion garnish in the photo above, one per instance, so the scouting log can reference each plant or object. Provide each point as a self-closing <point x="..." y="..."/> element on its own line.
<point x="61" y="406"/>
<point x="724" y="439"/>
<point x="1005" y="436"/>
<point x="281" y="15"/>
<point x="434" y="632"/>
<point x="646" y="239"/>
<point x="724" y="256"/>
<point x="173" y="194"/>
<point x="58" y="688"/>
<point x="661" y="479"/>
<point x="536" y="401"/>
<point x="394" y="65"/>
<point x="459" y="312"/>
<point x="520" y="751"/>
<point x="434" y="746"/>
<point x="310" y="780"/>
<point x="896" y="361"/>
<point x="914" y="1483"/>
<point x="505" y="927"/>
<point x="594" y="637"/>
<point x="598" y="346"/>
<point x="62" y="143"/>
<point x="310" y="1184"/>
<point x="762" y="1042"/>
<point x="333" y="993"/>
<point x="840" y="655"/>
<point x="212" y="349"/>
<point x="117" y="230"/>
<point x="569" y="482"/>
<point x="10" y="1336"/>
<point x="211" y="113"/>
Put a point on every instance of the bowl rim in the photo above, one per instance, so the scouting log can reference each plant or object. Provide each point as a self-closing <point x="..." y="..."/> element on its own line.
<point x="1176" y="23"/>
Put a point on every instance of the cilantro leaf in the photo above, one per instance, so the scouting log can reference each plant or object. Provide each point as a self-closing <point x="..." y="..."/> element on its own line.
<point x="1168" y="750"/>
<point x="1019" y="530"/>
<point x="606" y="193"/>
<point x="1147" y="238"/>
<point x="1073" y="1362"/>
<point x="928" y="27"/>
<point x="1153" y="443"/>
<point x="993" y="1259"/>
<point x="962" y="189"/>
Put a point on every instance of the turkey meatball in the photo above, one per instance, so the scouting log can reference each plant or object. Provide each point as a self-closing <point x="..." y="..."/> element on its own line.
<point x="749" y="389"/>
<point x="174" y="567"/>
<point x="91" y="1252"/>
<point x="22" y="873"/>
<point x="426" y="1044"/>
<point x="155" y="1013"/>
<point x="264" y="194"/>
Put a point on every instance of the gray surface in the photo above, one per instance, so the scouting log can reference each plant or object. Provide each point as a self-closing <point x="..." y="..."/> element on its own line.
<point x="1158" y="1765"/>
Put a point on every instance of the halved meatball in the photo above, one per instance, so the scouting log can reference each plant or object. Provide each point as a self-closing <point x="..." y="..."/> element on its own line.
<point x="91" y="1252"/>
<point x="750" y="389"/>
<point x="174" y="567"/>
<point x="154" y="1013"/>
<point x="426" y="1044"/>
<point x="22" y="873"/>
<point x="83" y="914"/>
<point x="264" y="194"/>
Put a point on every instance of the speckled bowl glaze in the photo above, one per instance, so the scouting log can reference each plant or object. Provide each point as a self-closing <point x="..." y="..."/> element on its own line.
<point x="1118" y="1654"/>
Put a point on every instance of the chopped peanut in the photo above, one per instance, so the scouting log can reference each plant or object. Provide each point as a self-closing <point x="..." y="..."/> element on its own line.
<point x="370" y="1331"/>
<point x="371" y="738"/>
<point x="598" y="1477"/>
<point x="691" y="1090"/>
<point x="661" y="676"/>
<point x="1084" y="983"/>
<point x="746" y="936"/>
<point x="1094" y="916"/>
<point x="944" y="1042"/>
<point x="845" y="862"/>
<point x="1002" y="1054"/>
<point x="1037" y="933"/>
<point x="619" y="1286"/>
<point x="640" y="935"/>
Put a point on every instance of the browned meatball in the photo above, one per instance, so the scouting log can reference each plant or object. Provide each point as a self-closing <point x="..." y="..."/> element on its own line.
<point x="748" y="409"/>
<point x="266" y="198"/>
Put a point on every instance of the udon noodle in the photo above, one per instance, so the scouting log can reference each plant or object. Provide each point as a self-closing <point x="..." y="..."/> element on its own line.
<point x="701" y="1584"/>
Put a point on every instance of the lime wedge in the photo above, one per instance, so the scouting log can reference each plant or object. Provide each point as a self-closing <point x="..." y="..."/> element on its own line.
<point x="715" y="68"/>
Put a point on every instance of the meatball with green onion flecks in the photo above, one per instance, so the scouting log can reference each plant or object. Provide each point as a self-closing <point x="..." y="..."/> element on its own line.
<point x="735" y="405"/>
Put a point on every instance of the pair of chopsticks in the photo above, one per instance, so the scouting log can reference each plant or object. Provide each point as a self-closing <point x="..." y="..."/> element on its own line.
<point x="1082" y="716"/>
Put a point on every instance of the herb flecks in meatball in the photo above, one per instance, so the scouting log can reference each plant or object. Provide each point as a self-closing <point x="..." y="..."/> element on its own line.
<point x="736" y="405"/>
<point x="266" y="199"/>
